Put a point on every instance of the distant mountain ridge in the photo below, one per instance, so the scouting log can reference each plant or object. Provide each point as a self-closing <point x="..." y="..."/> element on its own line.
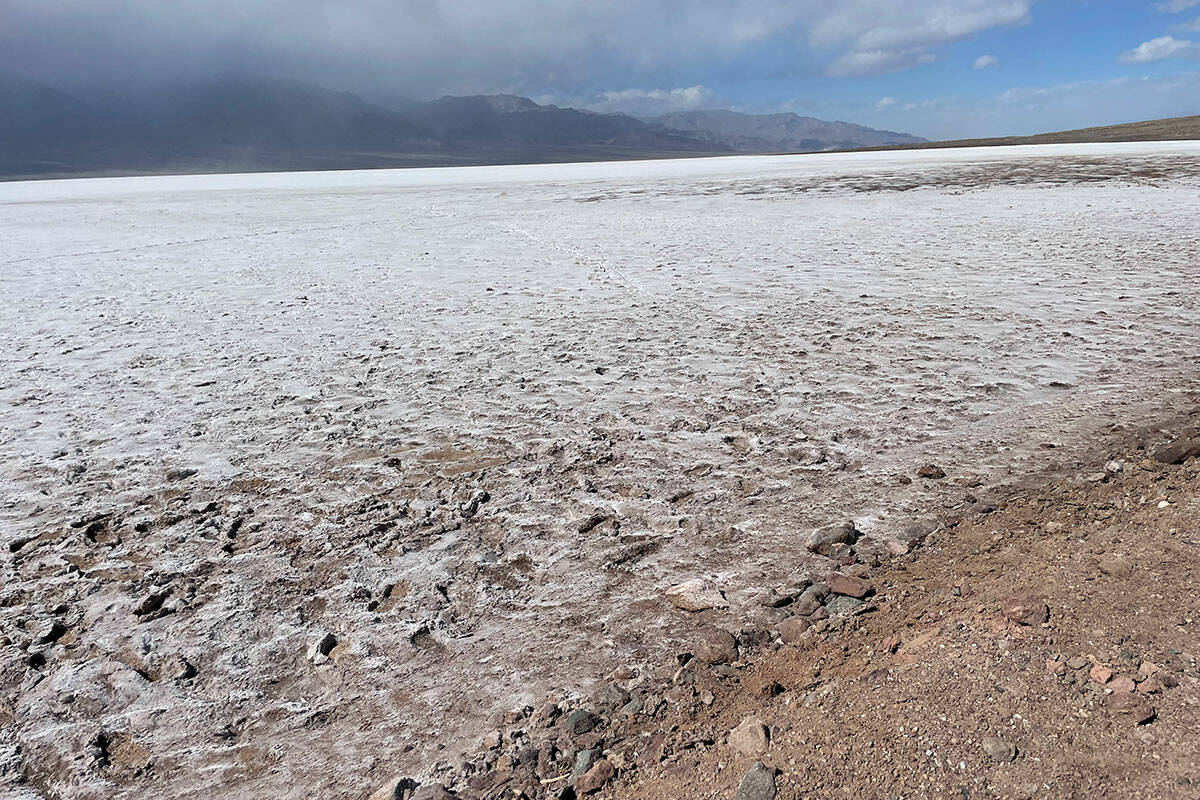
<point x="238" y="123"/>
<point x="786" y="132"/>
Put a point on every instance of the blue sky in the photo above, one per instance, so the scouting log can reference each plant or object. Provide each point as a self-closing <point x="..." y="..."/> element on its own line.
<point x="1065" y="64"/>
<point x="938" y="68"/>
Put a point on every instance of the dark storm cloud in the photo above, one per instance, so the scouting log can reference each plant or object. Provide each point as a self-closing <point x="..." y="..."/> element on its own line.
<point x="432" y="46"/>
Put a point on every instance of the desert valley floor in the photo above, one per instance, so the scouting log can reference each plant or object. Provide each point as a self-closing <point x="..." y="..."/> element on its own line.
<point x="308" y="479"/>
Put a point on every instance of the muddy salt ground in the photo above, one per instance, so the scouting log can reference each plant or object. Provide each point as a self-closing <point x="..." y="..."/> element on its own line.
<point x="474" y="422"/>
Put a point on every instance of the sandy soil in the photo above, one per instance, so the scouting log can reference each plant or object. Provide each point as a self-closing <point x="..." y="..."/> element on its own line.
<point x="474" y="423"/>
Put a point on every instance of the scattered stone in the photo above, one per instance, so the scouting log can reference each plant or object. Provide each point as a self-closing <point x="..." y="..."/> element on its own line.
<point x="1179" y="450"/>
<point x="1134" y="706"/>
<point x="999" y="750"/>
<point x="177" y="668"/>
<point x="1114" y="467"/>
<point x="1078" y="662"/>
<point x="847" y="585"/>
<point x="932" y="472"/>
<point x="50" y="632"/>
<point x="696" y="595"/>
<point x="1122" y="684"/>
<point x="152" y="602"/>
<point x="322" y="647"/>
<point x="834" y="539"/>
<point x="1116" y="567"/>
<point x="1056" y="667"/>
<point x="1150" y="686"/>
<point x="794" y="629"/>
<point x="595" y="778"/>
<point x="610" y="695"/>
<point x="811" y="599"/>
<point x="750" y="738"/>
<point x="398" y="788"/>
<point x="584" y="761"/>
<point x="913" y="535"/>
<point x="1100" y="674"/>
<point x="1026" y="610"/>
<point x="716" y="647"/>
<point x="757" y="784"/>
<point x="179" y="474"/>
<point x="843" y="605"/>
<point x="594" y="521"/>
<point x="580" y="721"/>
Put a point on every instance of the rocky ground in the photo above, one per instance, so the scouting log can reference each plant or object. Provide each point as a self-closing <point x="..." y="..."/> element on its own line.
<point x="1044" y="646"/>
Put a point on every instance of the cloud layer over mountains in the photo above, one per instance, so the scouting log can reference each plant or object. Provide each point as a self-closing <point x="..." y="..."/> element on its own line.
<point x="429" y="47"/>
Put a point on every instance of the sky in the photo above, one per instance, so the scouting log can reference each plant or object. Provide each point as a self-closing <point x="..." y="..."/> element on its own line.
<point x="937" y="68"/>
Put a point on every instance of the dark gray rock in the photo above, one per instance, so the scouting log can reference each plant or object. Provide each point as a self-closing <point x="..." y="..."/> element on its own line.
<point x="580" y="722"/>
<point x="758" y="784"/>
<point x="584" y="761"/>
<point x="841" y="605"/>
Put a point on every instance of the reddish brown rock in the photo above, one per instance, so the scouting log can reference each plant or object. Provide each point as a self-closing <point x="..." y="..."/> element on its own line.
<point x="1101" y="674"/>
<point x="932" y="472"/>
<point x="715" y="647"/>
<point x="847" y="585"/>
<point x="1136" y="707"/>
<point x="595" y="778"/>
<point x="1055" y="667"/>
<point x="1026" y="610"/>
<point x="793" y="630"/>
<point x="1122" y="684"/>
<point x="1150" y="686"/>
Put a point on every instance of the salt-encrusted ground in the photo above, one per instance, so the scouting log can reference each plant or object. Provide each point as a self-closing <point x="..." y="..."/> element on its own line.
<point x="474" y="422"/>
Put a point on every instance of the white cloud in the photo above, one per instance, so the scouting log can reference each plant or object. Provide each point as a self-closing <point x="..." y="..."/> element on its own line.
<point x="647" y="102"/>
<point x="1187" y="27"/>
<point x="884" y="103"/>
<point x="1160" y="48"/>
<point x="1175" y="6"/>
<point x="881" y="37"/>
<point x="878" y="62"/>
<point x="983" y="62"/>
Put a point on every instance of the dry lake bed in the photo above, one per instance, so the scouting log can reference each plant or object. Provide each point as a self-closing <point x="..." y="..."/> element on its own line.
<point x="306" y="479"/>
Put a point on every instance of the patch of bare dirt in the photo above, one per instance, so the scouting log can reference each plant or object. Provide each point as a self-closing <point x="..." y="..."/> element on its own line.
<point x="953" y="686"/>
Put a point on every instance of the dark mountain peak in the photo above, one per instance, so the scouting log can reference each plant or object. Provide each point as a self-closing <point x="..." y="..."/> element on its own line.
<point x="509" y="103"/>
<point x="779" y="132"/>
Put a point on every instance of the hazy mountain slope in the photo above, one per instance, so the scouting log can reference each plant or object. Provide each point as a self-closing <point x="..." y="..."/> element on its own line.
<point x="769" y="133"/>
<point x="250" y="123"/>
<point x="507" y="118"/>
<point x="33" y="115"/>
<point x="1153" y="130"/>
<point x="263" y="114"/>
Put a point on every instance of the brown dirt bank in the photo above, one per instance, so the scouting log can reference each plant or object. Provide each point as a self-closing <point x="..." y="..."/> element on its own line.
<point x="928" y="695"/>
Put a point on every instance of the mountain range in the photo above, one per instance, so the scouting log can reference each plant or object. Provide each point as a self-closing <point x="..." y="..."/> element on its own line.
<point x="254" y="123"/>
